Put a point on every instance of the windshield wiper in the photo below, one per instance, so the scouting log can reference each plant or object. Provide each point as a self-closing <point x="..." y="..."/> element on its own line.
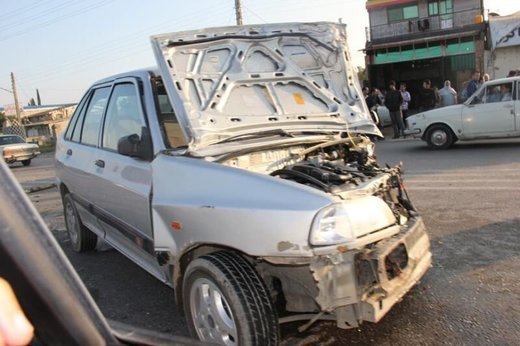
<point x="260" y="134"/>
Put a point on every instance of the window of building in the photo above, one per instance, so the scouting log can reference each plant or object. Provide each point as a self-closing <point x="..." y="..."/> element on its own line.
<point x="405" y="12"/>
<point x="440" y="7"/>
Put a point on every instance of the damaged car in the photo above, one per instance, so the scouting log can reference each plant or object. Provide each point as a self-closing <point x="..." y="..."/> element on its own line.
<point x="241" y="173"/>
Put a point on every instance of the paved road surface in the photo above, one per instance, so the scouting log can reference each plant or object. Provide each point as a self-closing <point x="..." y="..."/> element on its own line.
<point x="469" y="197"/>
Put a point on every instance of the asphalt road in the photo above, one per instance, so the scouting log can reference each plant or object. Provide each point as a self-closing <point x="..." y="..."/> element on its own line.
<point x="469" y="197"/>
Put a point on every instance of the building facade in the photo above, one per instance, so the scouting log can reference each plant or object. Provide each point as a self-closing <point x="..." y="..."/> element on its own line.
<point x="42" y="124"/>
<point x="413" y="40"/>
<point x="504" y="44"/>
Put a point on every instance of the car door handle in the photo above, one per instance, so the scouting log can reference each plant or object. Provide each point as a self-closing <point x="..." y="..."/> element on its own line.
<point x="100" y="163"/>
<point x="69" y="152"/>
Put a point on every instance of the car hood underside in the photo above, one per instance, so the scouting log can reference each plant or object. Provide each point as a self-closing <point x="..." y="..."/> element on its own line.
<point x="231" y="81"/>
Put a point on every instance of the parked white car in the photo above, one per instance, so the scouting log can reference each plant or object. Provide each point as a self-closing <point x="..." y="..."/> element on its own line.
<point x="493" y="111"/>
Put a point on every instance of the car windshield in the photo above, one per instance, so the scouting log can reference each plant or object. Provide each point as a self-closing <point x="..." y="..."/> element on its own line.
<point x="4" y="140"/>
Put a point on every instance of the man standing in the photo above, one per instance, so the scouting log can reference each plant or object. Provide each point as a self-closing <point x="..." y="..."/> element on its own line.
<point x="426" y="96"/>
<point x="448" y="95"/>
<point x="393" y="101"/>
<point x="406" y="99"/>
<point x="473" y="84"/>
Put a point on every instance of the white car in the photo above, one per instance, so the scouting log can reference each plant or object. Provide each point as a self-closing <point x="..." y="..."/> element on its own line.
<point x="493" y="111"/>
<point x="15" y="149"/>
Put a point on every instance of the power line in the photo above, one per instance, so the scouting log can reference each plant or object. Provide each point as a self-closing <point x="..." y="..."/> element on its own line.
<point x="55" y="20"/>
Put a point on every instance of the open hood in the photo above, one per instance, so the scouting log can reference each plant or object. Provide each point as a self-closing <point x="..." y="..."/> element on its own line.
<point x="230" y="81"/>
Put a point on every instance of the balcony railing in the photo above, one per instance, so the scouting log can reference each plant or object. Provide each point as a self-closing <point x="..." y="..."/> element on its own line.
<point x="425" y="25"/>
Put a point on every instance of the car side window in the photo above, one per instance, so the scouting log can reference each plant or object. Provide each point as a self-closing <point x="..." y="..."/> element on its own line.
<point x="170" y="126"/>
<point x="92" y="118"/>
<point x="78" y="113"/>
<point x="124" y="116"/>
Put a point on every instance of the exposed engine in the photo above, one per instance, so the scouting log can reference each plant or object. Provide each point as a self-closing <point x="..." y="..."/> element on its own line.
<point x="348" y="169"/>
<point x="331" y="166"/>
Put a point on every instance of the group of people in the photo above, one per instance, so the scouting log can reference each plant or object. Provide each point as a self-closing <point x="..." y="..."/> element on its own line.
<point x="398" y="100"/>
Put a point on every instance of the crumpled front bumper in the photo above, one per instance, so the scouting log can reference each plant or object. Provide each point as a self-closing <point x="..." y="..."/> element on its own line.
<point x="363" y="285"/>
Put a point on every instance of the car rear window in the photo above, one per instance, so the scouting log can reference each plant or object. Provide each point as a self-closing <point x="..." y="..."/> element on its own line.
<point x="4" y="140"/>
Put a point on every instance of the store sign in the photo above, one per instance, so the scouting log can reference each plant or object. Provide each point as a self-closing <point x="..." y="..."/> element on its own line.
<point x="505" y="30"/>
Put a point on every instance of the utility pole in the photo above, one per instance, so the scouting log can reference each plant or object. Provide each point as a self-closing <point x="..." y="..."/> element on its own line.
<point x="238" y="12"/>
<point x="16" y="104"/>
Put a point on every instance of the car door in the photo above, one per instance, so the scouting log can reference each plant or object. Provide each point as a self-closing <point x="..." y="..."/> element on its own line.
<point x="75" y="154"/>
<point x="491" y="112"/>
<point x="123" y="183"/>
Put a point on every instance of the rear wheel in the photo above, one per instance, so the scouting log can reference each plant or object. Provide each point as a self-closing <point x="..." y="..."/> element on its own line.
<point x="81" y="238"/>
<point x="440" y="137"/>
<point x="26" y="162"/>
<point x="226" y="302"/>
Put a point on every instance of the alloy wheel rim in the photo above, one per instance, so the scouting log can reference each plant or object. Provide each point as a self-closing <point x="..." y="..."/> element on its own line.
<point x="211" y="313"/>
<point x="71" y="223"/>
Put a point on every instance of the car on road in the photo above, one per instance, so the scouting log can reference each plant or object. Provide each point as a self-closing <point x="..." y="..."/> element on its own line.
<point x="493" y="111"/>
<point x="16" y="149"/>
<point x="241" y="173"/>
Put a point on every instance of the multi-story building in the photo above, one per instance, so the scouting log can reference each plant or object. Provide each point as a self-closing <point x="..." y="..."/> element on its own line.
<point x="412" y="40"/>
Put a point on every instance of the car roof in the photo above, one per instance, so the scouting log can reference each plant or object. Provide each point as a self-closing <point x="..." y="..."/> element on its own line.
<point x="503" y="80"/>
<point x="142" y="73"/>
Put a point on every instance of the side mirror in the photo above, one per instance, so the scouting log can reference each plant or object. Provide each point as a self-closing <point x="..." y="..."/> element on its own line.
<point x="136" y="146"/>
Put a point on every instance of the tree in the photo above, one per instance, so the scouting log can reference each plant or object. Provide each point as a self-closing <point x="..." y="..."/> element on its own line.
<point x="38" y="100"/>
<point x="31" y="102"/>
<point x="362" y="75"/>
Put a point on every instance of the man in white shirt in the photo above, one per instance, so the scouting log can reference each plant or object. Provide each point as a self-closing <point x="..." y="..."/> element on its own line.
<point x="406" y="99"/>
<point x="448" y="95"/>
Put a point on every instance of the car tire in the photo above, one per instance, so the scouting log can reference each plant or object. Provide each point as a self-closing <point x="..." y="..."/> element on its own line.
<point x="81" y="238"/>
<point x="226" y="301"/>
<point x="439" y="137"/>
<point x="26" y="162"/>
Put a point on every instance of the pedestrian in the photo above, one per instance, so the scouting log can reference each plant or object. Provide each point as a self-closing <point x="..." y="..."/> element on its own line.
<point x="473" y="84"/>
<point x="448" y="95"/>
<point x="426" y="96"/>
<point x="437" y="96"/>
<point x="406" y="99"/>
<point x="393" y="101"/>
<point x="505" y="92"/>
<point x="511" y="73"/>
<point x="365" y="91"/>
<point x="486" y="77"/>
<point x="373" y="99"/>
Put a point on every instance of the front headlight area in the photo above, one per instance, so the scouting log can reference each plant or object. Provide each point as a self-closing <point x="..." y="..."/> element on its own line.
<point x="350" y="221"/>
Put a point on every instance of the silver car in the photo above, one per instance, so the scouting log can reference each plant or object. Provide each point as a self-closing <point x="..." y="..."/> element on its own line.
<point x="15" y="149"/>
<point x="241" y="174"/>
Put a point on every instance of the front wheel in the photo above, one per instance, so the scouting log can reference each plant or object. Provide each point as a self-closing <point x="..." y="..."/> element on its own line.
<point x="26" y="162"/>
<point x="439" y="137"/>
<point x="226" y="302"/>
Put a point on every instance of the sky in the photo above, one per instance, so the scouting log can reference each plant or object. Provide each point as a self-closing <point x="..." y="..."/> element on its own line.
<point x="61" y="47"/>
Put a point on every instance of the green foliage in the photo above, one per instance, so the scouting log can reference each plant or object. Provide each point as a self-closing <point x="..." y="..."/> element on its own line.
<point x="362" y="74"/>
